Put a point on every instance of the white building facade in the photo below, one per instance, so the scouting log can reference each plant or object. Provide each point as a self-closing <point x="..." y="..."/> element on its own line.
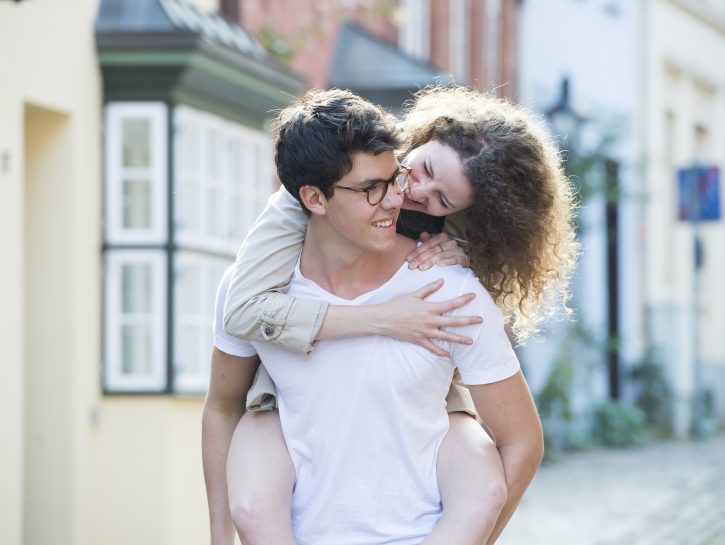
<point x="684" y="109"/>
<point x="647" y="73"/>
<point x="134" y="156"/>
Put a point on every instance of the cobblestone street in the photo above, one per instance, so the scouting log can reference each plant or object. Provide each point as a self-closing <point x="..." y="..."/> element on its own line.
<point x="664" y="494"/>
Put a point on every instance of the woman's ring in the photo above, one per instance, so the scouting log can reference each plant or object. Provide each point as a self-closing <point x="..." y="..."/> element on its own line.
<point x="440" y="244"/>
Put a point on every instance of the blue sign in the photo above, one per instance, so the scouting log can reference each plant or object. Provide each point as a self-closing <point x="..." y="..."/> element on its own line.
<point x="698" y="193"/>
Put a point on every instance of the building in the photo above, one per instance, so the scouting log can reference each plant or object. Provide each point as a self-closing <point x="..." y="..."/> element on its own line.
<point x="386" y="49"/>
<point x="644" y="76"/>
<point x="133" y="157"/>
<point x="683" y="112"/>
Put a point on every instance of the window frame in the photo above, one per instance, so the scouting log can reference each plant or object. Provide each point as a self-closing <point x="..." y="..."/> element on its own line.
<point x="414" y="30"/>
<point x="115" y="172"/>
<point x="114" y="380"/>
<point x="459" y="43"/>
<point x="243" y="179"/>
<point x="211" y="270"/>
<point x="253" y="181"/>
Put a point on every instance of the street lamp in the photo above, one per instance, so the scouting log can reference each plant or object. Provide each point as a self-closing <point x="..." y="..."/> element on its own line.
<point x="564" y="119"/>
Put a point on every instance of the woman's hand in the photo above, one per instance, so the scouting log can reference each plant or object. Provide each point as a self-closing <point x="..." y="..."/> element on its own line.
<point x="438" y="249"/>
<point x="410" y="318"/>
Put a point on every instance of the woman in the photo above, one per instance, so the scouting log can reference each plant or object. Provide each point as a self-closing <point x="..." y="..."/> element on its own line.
<point x="486" y="167"/>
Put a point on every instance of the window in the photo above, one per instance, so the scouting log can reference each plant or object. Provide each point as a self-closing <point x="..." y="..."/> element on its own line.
<point x="195" y="282"/>
<point x="136" y="174"/>
<point x="459" y="42"/>
<point x="702" y="144"/>
<point x="667" y="195"/>
<point x="224" y="175"/>
<point x="158" y="322"/>
<point x="492" y="50"/>
<point x="414" y="28"/>
<point x="135" y="320"/>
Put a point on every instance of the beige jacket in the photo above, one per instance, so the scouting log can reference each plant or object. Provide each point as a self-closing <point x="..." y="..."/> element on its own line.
<point x="257" y="309"/>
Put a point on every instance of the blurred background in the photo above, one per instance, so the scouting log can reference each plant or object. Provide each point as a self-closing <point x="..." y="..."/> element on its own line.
<point x="135" y="153"/>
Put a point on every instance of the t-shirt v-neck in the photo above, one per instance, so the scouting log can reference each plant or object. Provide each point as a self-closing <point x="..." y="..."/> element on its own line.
<point x="359" y="300"/>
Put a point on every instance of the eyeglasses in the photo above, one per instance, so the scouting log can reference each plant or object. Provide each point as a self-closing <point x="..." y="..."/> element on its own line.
<point x="376" y="191"/>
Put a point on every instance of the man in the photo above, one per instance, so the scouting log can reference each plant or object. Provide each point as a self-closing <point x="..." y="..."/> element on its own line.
<point x="363" y="417"/>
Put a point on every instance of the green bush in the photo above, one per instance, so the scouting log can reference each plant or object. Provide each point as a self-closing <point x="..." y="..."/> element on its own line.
<point x="654" y="395"/>
<point x="617" y="425"/>
<point x="554" y="404"/>
<point x="554" y="399"/>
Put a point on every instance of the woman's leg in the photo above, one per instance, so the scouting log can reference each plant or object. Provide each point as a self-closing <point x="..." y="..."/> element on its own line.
<point x="260" y="478"/>
<point x="472" y="484"/>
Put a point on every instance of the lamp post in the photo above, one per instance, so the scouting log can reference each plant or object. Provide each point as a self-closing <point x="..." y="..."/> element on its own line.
<point x="564" y="119"/>
<point x="566" y="123"/>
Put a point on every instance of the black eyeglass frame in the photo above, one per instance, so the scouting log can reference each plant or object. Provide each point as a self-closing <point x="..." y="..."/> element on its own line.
<point x="402" y="171"/>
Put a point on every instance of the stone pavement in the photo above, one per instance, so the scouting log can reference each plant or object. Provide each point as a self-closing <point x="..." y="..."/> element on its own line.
<point x="670" y="493"/>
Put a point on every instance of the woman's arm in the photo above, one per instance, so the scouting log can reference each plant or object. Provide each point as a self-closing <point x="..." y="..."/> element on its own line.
<point x="441" y="249"/>
<point x="407" y="318"/>
<point x="257" y="309"/>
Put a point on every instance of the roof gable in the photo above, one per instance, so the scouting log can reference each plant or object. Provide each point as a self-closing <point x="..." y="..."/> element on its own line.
<point x="362" y="61"/>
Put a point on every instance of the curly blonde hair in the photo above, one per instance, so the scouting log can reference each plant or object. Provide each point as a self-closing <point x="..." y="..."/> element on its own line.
<point x="521" y="237"/>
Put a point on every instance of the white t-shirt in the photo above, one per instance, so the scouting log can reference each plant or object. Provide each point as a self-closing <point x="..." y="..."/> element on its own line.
<point x="363" y="417"/>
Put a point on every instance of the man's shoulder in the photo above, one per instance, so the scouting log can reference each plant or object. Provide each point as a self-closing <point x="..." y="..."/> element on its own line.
<point x="457" y="280"/>
<point x="456" y="273"/>
<point x="404" y="245"/>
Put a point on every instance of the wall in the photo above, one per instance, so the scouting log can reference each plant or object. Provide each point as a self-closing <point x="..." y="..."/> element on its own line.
<point x="75" y="467"/>
<point x="49" y="279"/>
<point x="685" y="96"/>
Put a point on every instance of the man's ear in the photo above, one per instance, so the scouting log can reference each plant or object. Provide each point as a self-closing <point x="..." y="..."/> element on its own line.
<point x="313" y="199"/>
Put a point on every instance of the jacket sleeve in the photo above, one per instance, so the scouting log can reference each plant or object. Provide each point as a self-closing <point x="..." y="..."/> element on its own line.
<point x="257" y="309"/>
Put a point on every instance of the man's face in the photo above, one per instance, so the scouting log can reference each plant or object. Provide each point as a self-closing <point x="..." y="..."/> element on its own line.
<point x="353" y="223"/>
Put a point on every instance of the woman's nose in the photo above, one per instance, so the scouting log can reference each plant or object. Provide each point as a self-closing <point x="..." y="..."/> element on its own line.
<point x="416" y="189"/>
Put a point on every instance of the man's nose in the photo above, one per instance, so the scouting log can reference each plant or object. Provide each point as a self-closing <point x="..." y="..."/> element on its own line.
<point x="393" y="199"/>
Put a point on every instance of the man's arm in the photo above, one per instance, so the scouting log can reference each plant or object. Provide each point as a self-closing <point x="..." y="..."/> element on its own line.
<point x="508" y="411"/>
<point x="231" y="377"/>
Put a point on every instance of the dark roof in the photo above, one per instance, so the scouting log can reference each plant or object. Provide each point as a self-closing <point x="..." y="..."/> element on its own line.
<point x="175" y="16"/>
<point x="169" y="50"/>
<point x="363" y="62"/>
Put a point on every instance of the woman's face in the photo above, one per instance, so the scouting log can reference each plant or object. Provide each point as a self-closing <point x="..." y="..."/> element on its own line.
<point x="437" y="185"/>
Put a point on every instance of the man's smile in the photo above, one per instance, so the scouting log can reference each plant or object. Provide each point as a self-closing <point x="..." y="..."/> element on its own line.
<point x="383" y="223"/>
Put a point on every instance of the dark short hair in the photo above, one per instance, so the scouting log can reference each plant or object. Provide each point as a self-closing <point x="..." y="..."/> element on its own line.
<point x="318" y="134"/>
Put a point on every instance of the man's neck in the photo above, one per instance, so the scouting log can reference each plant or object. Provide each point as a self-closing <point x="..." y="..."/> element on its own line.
<point x="349" y="272"/>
